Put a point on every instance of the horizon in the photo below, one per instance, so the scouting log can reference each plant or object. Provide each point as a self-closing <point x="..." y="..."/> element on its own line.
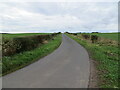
<point x="55" y="32"/>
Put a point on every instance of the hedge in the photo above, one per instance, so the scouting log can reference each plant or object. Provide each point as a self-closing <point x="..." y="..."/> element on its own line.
<point x="20" y="44"/>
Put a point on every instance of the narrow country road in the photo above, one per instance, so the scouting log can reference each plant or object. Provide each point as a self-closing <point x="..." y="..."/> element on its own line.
<point x="67" y="67"/>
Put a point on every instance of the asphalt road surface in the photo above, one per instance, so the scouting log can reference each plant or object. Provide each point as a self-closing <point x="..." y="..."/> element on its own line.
<point x="67" y="67"/>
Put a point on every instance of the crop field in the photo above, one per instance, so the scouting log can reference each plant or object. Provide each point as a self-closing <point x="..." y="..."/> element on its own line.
<point x="112" y="36"/>
<point x="21" y="35"/>
<point x="105" y="52"/>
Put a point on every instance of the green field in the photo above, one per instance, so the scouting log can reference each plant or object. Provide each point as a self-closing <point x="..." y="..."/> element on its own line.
<point x="106" y="55"/>
<point x="17" y="61"/>
<point x="112" y="36"/>
<point x="21" y="35"/>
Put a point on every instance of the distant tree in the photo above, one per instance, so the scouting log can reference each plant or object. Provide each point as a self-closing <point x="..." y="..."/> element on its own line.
<point x="95" y="32"/>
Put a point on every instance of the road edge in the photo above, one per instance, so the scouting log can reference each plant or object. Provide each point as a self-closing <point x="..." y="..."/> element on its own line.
<point x="93" y="82"/>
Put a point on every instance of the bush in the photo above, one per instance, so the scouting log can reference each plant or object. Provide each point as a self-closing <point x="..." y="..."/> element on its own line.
<point x="86" y="36"/>
<point x="94" y="38"/>
<point x="25" y="43"/>
<point x="74" y="33"/>
<point x="7" y="47"/>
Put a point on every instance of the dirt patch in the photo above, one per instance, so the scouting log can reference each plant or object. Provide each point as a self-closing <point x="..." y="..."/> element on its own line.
<point x="45" y="42"/>
<point x="93" y="81"/>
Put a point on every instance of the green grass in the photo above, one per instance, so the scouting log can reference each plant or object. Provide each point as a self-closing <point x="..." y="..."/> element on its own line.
<point x="107" y="57"/>
<point x="21" y="35"/>
<point x="18" y="61"/>
<point x="112" y="36"/>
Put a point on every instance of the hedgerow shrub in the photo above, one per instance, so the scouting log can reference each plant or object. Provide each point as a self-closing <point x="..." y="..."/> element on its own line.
<point x="20" y="44"/>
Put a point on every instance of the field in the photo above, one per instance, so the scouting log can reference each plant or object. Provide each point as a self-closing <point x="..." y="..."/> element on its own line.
<point x="105" y="52"/>
<point x="22" y="59"/>
<point x="112" y="36"/>
<point x="21" y="35"/>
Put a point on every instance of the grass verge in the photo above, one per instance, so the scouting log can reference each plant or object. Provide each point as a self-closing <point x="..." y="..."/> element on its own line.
<point x="107" y="57"/>
<point x="13" y="63"/>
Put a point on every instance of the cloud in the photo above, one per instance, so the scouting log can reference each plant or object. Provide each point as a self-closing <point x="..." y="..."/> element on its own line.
<point x="59" y="1"/>
<point x="53" y="17"/>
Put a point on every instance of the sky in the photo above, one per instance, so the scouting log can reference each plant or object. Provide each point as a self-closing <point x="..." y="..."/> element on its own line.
<point x="45" y="17"/>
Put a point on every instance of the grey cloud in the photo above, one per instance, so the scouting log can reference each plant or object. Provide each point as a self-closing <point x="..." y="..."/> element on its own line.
<point x="92" y="16"/>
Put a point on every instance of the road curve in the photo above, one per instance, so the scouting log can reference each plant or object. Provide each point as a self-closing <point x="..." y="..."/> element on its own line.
<point x="67" y="67"/>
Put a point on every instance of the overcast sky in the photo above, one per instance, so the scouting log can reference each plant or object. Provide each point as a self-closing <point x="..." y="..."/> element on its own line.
<point x="58" y="16"/>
